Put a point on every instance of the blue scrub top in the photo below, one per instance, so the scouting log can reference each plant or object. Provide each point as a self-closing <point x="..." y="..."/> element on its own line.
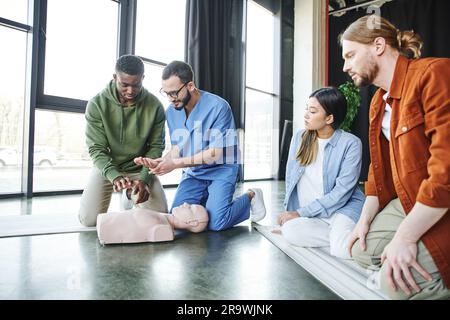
<point x="210" y="125"/>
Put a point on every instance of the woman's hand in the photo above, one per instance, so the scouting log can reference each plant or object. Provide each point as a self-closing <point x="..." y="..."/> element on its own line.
<point x="286" y="216"/>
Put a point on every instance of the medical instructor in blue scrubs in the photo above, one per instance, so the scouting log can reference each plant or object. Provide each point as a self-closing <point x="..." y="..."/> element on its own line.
<point x="205" y="144"/>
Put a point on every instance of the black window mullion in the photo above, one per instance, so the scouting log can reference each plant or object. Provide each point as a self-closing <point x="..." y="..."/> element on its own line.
<point x="155" y="62"/>
<point x="14" y="25"/>
<point x="39" y="8"/>
<point x="49" y="102"/>
<point x="127" y="27"/>
<point x="41" y="34"/>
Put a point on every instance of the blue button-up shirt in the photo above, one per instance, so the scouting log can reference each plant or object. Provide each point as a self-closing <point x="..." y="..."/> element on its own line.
<point x="341" y="170"/>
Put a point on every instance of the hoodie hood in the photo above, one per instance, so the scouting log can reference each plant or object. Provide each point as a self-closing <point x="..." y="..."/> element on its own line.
<point x="111" y="94"/>
<point x="115" y="135"/>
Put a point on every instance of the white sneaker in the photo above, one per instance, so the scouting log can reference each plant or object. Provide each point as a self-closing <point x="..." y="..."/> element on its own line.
<point x="257" y="207"/>
<point x="125" y="202"/>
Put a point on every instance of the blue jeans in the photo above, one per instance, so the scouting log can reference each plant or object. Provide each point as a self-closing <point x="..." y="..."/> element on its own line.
<point x="217" y="198"/>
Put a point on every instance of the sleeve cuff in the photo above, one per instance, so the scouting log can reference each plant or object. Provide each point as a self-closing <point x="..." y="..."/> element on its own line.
<point x="369" y="189"/>
<point x="146" y="176"/>
<point x="312" y="210"/>
<point x="434" y="195"/>
<point x="112" y="175"/>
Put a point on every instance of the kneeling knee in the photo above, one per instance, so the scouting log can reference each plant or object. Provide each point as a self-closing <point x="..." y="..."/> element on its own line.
<point x="357" y="252"/>
<point x="363" y="257"/>
<point x="217" y="225"/>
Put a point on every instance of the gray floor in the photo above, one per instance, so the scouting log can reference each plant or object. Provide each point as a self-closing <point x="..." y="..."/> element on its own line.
<point x="235" y="264"/>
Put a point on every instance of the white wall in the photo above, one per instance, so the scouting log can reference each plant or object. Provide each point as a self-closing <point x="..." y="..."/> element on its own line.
<point x="309" y="53"/>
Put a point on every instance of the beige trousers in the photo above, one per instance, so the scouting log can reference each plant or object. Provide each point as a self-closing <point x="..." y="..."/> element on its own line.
<point x="96" y="197"/>
<point x="381" y="232"/>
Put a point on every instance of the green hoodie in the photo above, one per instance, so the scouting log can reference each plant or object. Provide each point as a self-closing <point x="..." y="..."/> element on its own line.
<point x="115" y="135"/>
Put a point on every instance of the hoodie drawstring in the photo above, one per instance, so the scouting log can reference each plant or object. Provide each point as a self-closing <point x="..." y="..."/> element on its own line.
<point x="136" y="128"/>
<point x="121" y="124"/>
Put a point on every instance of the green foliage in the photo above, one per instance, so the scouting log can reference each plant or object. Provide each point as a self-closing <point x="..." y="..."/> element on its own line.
<point x="351" y="93"/>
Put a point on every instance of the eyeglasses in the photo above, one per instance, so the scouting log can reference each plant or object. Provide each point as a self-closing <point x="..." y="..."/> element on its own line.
<point x="172" y="94"/>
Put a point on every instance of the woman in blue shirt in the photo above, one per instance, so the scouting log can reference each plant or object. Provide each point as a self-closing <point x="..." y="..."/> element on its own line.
<point x="323" y="201"/>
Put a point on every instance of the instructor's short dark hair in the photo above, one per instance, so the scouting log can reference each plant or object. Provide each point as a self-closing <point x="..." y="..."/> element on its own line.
<point x="180" y="69"/>
<point x="130" y="64"/>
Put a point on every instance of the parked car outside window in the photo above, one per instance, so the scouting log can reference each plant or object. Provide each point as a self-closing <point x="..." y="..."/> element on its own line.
<point x="12" y="156"/>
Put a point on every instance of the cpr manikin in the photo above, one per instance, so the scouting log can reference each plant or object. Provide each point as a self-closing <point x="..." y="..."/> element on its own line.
<point x="143" y="225"/>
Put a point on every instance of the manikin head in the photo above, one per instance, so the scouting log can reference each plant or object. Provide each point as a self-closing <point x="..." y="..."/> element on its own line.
<point x="192" y="217"/>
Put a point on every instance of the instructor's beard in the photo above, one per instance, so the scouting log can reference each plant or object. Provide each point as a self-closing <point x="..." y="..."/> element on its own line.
<point x="184" y="102"/>
<point x="367" y="77"/>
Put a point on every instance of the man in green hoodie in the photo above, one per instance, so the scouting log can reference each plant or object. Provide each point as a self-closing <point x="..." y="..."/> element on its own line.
<point x="123" y="122"/>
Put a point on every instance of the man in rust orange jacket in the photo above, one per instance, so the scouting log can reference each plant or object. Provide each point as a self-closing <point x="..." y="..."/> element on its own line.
<point x="404" y="229"/>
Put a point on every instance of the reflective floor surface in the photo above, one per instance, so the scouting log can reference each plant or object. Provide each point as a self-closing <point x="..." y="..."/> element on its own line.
<point x="235" y="264"/>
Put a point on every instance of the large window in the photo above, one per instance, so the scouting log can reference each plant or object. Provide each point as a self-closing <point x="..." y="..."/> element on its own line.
<point x="61" y="159"/>
<point x="160" y="29"/>
<point x="79" y="42"/>
<point x="259" y="135"/>
<point x="160" y="32"/>
<point x="12" y="102"/>
<point x="80" y="54"/>
<point x="15" y="10"/>
<point x="81" y="47"/>
<point x="261" y="97"/>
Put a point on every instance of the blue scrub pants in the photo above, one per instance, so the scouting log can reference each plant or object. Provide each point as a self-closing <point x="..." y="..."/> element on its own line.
<point x="217" y="198"/>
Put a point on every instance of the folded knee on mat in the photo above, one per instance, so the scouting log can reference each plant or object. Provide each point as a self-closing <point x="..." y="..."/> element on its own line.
<point x="364" y="257"/>
<point x="295" y="235"/>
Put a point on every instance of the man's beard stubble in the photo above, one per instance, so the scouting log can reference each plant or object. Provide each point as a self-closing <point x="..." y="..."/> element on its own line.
<point x="368" y="77"/>
<point x="185" y="101"/>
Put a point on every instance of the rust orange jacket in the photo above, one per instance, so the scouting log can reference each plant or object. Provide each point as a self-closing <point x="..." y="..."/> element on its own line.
<point x="415" y="165"/>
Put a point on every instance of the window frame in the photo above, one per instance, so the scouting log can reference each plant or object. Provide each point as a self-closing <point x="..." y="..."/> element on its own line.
<point x="60" y="103"/>
<point x="275" y="93"/>
<point x="150" y="61"/>
<point x="35" y="99"/>
<point x="27" y="147"/>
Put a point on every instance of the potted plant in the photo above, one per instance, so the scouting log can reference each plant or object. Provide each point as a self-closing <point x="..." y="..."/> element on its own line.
<point x="351" y="93"/>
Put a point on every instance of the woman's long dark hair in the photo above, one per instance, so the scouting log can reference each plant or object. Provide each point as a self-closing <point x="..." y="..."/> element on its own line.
<point x="334" y="103"/>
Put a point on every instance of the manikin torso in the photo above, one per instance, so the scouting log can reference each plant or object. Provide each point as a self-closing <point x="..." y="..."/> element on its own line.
<point x="137" y="225"/>
<point x="143" y="225"/>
